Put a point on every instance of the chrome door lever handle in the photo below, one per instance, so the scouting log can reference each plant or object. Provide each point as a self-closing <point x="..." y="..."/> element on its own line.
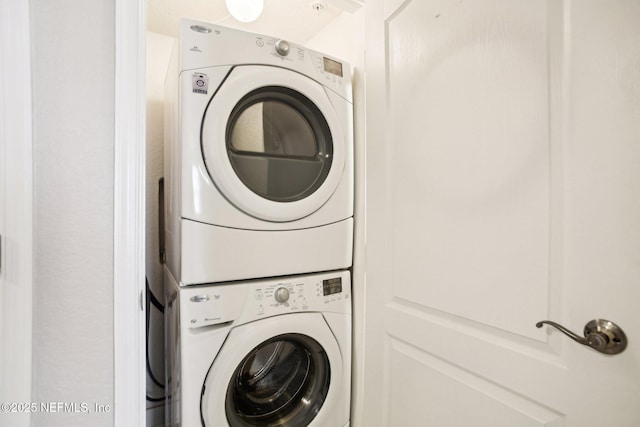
<point x="577" y="338"/>
<point x="600" y="334"/>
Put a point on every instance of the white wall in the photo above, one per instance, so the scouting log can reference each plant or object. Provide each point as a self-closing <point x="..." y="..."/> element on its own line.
<point x="342" y="38"/>
<point x="73" y="76"/>
<point x="158" y="52"/>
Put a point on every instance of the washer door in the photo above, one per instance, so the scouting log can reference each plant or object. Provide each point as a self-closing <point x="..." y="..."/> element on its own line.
<point x="275" y="373"/>
<point x="272" y="143"/>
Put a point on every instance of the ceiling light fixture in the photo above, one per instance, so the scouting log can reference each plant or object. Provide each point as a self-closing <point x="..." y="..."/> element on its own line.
<point x="245" y="10"/>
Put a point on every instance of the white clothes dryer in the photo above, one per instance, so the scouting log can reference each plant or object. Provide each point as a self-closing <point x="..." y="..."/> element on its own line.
<point x="274" y="352"/>
<point x="258" y="158"/>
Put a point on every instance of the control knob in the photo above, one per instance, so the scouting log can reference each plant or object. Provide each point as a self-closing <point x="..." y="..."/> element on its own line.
<point x="282" y="294"/>
<point x="282" y="47"/>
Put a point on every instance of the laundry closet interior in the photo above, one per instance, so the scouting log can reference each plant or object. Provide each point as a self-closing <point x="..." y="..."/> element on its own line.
<point x="315" y="253"/>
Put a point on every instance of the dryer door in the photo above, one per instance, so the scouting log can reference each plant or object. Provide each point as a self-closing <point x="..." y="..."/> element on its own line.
<point x="281" y="371"/>
<point x="272" y="143"/>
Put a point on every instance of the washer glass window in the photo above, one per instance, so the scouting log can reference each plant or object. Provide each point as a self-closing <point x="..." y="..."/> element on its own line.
<point x="279" y="144"/>
<point x="282" y="381"/>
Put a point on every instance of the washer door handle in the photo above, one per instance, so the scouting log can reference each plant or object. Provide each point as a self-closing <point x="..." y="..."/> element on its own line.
<point x="600" y="334"/>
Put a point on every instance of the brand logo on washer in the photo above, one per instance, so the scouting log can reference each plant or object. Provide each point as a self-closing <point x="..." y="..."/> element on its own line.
<point x="199" y="298"/>
<point x="200" y="83"/>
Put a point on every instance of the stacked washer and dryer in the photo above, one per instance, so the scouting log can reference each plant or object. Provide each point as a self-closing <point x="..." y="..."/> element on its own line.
<point x="258" y="230"/>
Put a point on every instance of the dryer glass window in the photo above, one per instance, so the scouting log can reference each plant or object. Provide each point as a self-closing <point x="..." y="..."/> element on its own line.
<point x="283" y="381"/>
<point x="279" y="144"/>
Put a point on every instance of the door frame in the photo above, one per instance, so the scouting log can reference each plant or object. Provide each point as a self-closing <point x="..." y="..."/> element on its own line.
<point x="17" y="186"/>
<point x="129" y="213"/>
<point x="129" y="168"/>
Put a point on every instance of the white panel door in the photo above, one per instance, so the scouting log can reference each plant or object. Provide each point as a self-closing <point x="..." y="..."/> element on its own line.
<point x="503" y="188"/>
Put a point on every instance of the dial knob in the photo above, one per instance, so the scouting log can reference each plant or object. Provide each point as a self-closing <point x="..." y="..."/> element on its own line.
<point x="282" y="294"/>
<point x="282" y="47"/>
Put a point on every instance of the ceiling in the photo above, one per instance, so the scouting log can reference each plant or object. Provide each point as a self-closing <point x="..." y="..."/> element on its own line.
<point x="293" y="20"/>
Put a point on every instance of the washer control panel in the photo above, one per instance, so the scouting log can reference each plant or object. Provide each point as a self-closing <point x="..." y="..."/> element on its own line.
<point x="247" y="301"/>
<point x="320" y="292"/>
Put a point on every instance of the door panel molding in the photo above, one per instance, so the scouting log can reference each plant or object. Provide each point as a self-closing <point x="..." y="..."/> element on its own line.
<point x="483" y="398"/>
<point x="466" y="341"/>
<point x="448" y="323"/>
<point x="483" y="188"/>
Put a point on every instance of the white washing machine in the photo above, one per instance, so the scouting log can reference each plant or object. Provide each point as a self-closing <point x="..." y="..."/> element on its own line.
<point x="258" y="158"/>
<point x="273" y="352"/>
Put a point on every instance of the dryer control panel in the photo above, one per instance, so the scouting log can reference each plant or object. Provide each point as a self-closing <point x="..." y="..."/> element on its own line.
<point x="208" y="45"/>
<point x="238" y="303"/>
